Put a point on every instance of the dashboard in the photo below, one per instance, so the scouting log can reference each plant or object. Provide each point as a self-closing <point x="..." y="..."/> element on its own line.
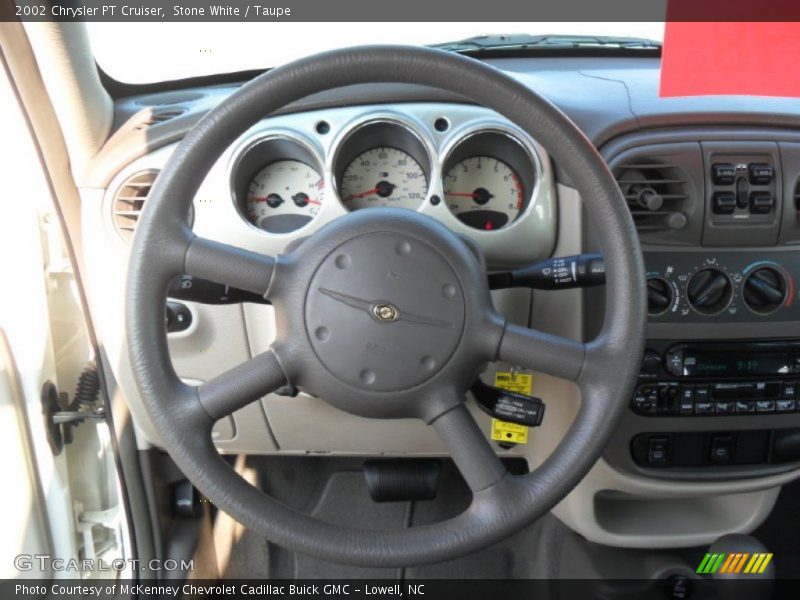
<point x="712" y="429"/>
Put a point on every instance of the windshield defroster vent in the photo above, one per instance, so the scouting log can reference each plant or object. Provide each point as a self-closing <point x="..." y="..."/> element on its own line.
<point x="129" y="201"/>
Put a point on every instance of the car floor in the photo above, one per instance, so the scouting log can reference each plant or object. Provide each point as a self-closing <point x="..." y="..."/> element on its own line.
<point x="334" y="489"/>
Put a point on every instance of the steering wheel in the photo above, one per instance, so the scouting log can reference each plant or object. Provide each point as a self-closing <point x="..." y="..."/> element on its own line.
<point x="383" y="313"/>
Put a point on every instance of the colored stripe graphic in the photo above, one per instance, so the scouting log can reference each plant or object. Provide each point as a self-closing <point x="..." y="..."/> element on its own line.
<point x="734" y="563"/>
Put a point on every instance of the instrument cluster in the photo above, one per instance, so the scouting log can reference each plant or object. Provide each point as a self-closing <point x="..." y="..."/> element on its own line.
<point x="481" y="176"/>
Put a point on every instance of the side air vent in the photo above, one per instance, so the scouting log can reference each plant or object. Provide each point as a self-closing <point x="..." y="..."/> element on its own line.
<point x="156" y="117"/>
<point x="656" y="194"/>
<point x="129" y="201"/>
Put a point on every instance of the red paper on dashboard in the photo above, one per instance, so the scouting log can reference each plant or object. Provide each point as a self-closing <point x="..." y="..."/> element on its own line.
<point x="739" y="58"/>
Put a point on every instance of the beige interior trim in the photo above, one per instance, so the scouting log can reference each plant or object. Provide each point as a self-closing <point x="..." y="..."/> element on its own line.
<point x="84" y="109"/>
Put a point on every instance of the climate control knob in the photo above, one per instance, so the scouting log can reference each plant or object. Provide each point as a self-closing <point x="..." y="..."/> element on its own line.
<point x="709" y="291"/>
<point x="764" y="290"/>
<point x="659" y="296"/>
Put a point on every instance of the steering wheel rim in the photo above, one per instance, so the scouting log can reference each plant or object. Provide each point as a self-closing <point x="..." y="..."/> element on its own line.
<point x="605" y="368"/>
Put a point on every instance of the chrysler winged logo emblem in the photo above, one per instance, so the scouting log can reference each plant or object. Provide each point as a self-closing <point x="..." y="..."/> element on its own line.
<point x="381" y="311"/>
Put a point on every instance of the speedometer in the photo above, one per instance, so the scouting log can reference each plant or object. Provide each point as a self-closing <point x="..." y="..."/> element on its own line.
<point x="484" y="192"/>
<point x="284" y="196"/>
<point x="383" y="176"/>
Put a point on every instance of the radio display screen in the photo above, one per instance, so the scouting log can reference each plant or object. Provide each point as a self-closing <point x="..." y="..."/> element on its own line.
<point x="727" y="363"/>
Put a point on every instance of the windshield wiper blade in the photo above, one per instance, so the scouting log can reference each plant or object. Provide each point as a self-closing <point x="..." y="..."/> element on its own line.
<point x="526" y="41"/>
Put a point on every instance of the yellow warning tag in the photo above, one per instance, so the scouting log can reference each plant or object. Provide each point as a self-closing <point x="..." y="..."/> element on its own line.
<point x="521" y="383"/>
<point x="503" y="431"/>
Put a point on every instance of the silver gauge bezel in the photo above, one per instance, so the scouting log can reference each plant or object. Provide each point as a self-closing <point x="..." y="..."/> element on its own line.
<point x="524" y="160"/>
<point x="378" y="130"/>
<point x="289" y="145"/>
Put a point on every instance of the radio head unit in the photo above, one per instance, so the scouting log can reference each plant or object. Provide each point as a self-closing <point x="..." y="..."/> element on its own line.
<point x="781" y="358"/>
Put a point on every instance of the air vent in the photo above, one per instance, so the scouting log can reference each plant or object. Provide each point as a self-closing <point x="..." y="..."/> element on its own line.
<point x="129" y="201"/>
<point x="156" y="117"/>
<point x="656" y="193"/>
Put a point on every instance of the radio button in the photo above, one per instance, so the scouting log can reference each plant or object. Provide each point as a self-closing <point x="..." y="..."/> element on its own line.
<point x="725" y="408"/>
<point x="765" y="406"/>
<point x="701" y="393"/>
<point x="674" y="362"/>
<point x="646" y="400"/>
<point x="785" y="405"/>
<point x="745" y="406"/>
<point x="703" y="408"/>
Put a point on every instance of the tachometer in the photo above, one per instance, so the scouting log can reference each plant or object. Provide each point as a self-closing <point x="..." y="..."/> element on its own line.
<point x="284" y="196"/>
<point x="383" y="176"/>
<point x="484" y="192"/>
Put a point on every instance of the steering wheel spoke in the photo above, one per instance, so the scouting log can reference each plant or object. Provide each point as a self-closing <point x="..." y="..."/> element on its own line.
<point x="544" y="352"/>
<point x="237" y="267"/>
<point x="469" y="448"/>
<point x="242" y="385"/>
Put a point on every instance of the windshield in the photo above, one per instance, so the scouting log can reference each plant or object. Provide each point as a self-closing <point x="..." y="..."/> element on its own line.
<point x="152" y="52"/>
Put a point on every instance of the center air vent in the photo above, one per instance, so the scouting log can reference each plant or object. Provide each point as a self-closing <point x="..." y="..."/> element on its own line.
<point x="656" y="194"/>
<point x="129" y="201"/>
<point x="663" y="185"/>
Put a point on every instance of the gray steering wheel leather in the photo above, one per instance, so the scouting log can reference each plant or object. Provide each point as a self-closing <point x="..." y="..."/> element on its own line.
<point x="438" y="329"/>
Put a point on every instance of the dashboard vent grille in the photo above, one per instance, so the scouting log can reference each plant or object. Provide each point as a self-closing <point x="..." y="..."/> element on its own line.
<point x="129" y="201"/>
<point x="656" y="193"/>
<point x="157" y="117"/>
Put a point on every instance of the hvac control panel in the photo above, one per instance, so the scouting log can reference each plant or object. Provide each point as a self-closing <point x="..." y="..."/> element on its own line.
<point x="711" y="287"/>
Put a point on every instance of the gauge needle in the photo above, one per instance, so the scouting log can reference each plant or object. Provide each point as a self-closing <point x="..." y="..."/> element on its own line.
<point x="384" y="189"/>
<point x="461" y="194"/>
<point x="362" y="194"/>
